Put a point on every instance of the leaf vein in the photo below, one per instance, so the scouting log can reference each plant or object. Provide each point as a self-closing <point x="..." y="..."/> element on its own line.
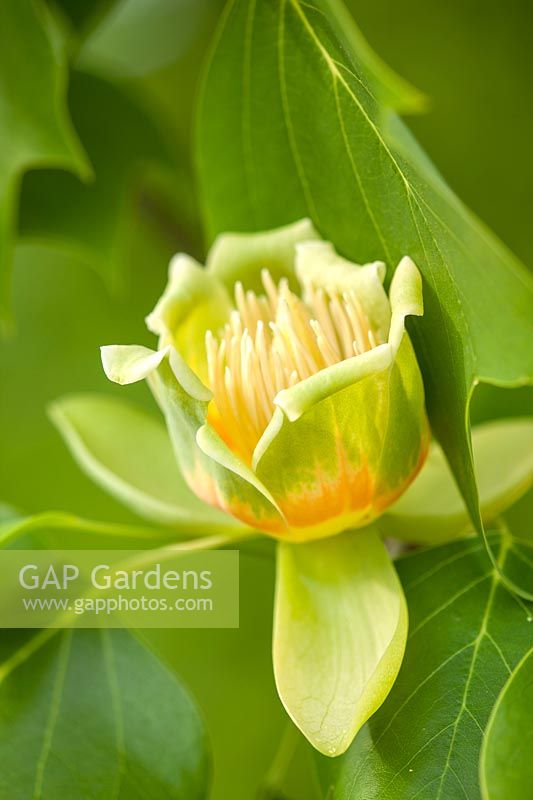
<point x="483" y="630"/>
<point x="53" y="713"/>
<point x="464" y="590"/>
<point x="114" y="688"/>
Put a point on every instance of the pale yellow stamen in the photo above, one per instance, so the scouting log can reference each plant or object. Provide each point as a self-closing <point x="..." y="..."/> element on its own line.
<point x="271" y="289"/>
<point x="272" y="342"/>
<point x="329" y="354"/>
<point x="356" y="316"/>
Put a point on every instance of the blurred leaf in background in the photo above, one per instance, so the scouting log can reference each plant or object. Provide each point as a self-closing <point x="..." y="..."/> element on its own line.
<point x="82" y="17"/>
<point x="138" y="38"/>
<point x="138" y="151"/>
<point x="35" y="129"/>
<point x="134" y="168"/>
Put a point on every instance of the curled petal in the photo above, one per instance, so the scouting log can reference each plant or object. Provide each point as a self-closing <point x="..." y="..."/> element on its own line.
<point x="129" y="363"/>
<point x="193" y="302"/>
<point x="319" y="265"/>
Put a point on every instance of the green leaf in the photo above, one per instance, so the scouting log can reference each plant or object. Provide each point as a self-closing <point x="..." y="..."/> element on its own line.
<point x="289" y="127"/>
<point x="86" y="714"/>
<point x="139" y="37"/>
<point x="506" y="768"/>
<point x="58" y="529"/>
<point x="230" y="673"/>
<point x="432" y="510"/>
<point x="467" y="633"/>
<point x="83" y="17"/>
<point x="35" y="130"/>
<point x="339" y="634"/>
<point x="134" y="161"/>
<point x="128" y="453"/>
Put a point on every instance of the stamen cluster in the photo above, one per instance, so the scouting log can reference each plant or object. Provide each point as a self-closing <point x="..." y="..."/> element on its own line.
<point x="273" y="341"/>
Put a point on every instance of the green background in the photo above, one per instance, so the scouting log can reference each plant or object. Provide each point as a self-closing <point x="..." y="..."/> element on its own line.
<point x="474" y="62"/>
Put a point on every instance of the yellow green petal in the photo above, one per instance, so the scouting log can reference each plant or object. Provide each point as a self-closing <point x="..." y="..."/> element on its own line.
<point x="352" y="437"/>
<point x="215" y="474"/>
<point x="193" y="302"/>
<point x="340" y="628"/>
<point x="129" y="363"/>
<point x="241" y="256"/>
<point x="339" y="466"/>
<point x="320" y="264"/>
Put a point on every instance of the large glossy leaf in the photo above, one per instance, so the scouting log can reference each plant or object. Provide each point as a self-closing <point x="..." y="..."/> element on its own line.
<point x="289" y="126"/>
<point x="467" y="633"/>
<point x="128" y="453"/>
<point x="506" y="768"/>
<point x="35" y="130"/>
<point x="93" y="714"/>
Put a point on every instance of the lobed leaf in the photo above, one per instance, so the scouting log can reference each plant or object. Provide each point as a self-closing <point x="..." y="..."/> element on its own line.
<point x="132" y="160"/>
<point x="392" y="90"/>
<point x="35" y="129"/>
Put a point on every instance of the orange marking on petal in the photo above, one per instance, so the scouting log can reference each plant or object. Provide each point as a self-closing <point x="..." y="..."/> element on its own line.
<point x="243" y="511"/>
<point x="214" y="418"/>
<point x="203" y="485"/>
<point x="207" y="489"/>
<point x="325" y="498"/>
<point x="328" y="506"/>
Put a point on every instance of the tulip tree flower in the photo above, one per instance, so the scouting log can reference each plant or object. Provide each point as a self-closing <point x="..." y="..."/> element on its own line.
<point x="294" y="402"/>
<point x="294" y="407"/>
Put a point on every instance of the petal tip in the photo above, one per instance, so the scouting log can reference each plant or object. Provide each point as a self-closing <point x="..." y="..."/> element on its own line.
<point x="125" y="364"/>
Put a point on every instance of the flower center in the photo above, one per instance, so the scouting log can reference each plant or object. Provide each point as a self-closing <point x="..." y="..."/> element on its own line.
<point x="271" y="342"/>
